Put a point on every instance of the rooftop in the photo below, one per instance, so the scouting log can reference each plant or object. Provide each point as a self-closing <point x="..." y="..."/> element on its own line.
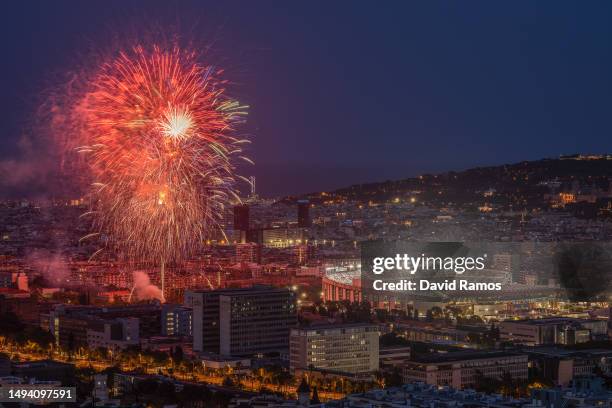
<point x="549" y="320"/>
<point x="464" y="355"/>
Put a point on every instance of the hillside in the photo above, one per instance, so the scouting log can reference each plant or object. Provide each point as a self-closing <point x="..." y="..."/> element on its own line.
<point x="526" y="184"/>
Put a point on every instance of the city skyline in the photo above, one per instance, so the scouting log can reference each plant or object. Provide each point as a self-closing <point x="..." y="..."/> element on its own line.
<point x="306" y="205"/>
<point x="344" y="95"/>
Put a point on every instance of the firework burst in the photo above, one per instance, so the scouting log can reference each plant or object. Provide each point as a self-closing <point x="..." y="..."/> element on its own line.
<point x="158" y="134"/>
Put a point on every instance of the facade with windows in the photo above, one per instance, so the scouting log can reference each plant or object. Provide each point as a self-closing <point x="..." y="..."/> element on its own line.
<point x="245" y="321"/>
<point x="351" y="348"/>
<point x="553" y="330"/>
<point x="464" y="369"/>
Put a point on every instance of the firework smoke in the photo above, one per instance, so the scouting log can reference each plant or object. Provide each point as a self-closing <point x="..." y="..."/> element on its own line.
<point x="143" y="287"/>
<point x="51" y="265"/>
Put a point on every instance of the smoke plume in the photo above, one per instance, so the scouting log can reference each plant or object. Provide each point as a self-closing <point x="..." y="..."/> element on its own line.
<point x="143" y="287"/>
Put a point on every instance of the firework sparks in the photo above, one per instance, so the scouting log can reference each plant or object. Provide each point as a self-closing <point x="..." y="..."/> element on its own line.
<point x="158" y="134"/>
<point x="176" y="123"/>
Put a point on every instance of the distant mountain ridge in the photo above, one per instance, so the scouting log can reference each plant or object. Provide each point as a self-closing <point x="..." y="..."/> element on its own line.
<point x="526" y="181"/>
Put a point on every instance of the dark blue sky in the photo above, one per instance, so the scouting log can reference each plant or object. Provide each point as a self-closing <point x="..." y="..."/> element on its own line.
<point x="346" y="92"/>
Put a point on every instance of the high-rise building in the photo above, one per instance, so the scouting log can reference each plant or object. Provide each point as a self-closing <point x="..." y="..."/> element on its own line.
<point x="241" y="217"/>
<point x="241" y="222"/>
<point x="255" y="235"/>
<point x="205" y="321"/>
<point x="253" y="187"/>
<point x="245" y="321"/>
<point x="303" y="214"/>
<point x="349" y="348"/>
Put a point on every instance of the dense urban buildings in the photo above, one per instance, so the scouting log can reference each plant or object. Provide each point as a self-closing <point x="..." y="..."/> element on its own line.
<point x="278" y="302"/>
<point x="306" y="205"/>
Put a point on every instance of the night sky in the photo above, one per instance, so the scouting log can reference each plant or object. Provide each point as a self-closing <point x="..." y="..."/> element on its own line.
<point x="347" y="92"/>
